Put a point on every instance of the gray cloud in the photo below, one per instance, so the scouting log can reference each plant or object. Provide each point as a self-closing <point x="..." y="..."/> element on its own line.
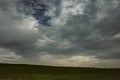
<point x="78" y="27"/>
<point x="8" y="55"/>
<point x="16" y="30"/>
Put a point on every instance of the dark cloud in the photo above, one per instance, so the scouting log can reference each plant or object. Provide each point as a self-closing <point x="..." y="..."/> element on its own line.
<point x="94" y="37"/>
<point x="78" y="27"/>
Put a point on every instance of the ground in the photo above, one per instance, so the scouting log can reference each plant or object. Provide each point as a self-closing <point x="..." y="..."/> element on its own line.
<point x="36" y="72"/>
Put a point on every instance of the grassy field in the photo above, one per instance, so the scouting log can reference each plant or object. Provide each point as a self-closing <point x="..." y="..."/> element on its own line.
<point x="34" y="72"/>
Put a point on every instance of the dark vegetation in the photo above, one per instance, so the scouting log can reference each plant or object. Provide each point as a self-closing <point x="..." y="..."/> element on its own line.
<point x="36" y="72"/>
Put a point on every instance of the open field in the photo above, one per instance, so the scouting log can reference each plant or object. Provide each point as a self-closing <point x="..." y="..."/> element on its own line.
<point x="34" y="72"/>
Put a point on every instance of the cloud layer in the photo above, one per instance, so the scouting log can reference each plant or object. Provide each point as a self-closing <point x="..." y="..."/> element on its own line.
<point x="67" y="31"/>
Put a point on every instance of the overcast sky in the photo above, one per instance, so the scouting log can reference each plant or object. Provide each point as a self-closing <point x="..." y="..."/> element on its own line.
<point x="81" y="33"/>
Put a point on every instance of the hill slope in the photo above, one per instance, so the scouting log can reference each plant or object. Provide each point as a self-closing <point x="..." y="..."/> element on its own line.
<point x="35" y="72"/>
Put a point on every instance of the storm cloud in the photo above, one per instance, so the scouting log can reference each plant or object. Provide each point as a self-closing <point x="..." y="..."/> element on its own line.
<point x="70" y="31"/>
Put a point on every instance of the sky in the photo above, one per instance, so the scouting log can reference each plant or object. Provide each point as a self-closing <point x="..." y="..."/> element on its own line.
<point x="78" y="33"/>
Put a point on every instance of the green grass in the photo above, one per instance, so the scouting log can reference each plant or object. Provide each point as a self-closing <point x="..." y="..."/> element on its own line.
<point x="34" y="72"/>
